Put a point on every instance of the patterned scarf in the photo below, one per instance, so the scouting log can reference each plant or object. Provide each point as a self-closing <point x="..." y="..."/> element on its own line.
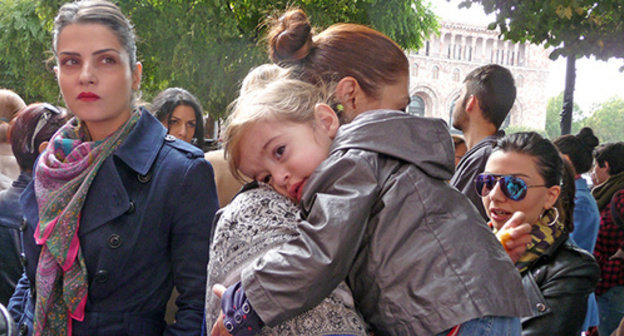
<point x="62" y="179"/>
<point x="542" y="237"/>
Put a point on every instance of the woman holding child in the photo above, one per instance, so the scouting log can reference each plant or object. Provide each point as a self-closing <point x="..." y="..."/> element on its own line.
<point x="119" y="213"/>
<point x="378" y="212"/>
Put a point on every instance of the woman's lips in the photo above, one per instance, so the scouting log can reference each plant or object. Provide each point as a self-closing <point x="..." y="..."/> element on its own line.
<point x="499" y="215"/>
<point x="88" y="96"/>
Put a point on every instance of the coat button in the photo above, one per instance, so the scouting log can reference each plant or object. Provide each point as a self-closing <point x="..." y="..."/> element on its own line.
<point x="114" y="241"/>
<point x="131" y="208"/>
<point x="169" y="138"/>
<point x="101" y="276"/>
<point x="540" y="307"/>
<point x="23" y="329"/>
<point x="23" y="225"/>
<point x="144" y="178"/>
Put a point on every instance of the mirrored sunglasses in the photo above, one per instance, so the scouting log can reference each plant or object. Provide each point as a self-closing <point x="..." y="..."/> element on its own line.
<point x="513" y="187"/>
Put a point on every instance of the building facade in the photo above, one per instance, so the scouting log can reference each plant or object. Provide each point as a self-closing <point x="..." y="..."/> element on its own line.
<point x="437" y="72"/>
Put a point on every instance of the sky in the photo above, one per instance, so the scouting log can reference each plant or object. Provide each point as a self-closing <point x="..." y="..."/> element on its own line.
<point x="596" y="81"/>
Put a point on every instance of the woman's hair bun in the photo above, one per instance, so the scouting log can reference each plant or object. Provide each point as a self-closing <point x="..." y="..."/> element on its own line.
<point x="290" y="37"/>
<point x="587" y="137"/>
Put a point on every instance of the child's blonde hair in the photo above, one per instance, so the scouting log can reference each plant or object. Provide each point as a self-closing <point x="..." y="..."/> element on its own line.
<point x="269" y="92"/>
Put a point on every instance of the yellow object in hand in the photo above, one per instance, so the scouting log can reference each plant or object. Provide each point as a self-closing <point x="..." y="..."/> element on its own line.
<point x="504" y="238"/>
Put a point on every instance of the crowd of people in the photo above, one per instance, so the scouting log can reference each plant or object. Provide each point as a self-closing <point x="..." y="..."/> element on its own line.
<point x="328" y="211"/>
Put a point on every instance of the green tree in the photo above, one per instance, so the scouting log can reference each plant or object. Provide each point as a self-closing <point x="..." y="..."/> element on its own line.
<point x="606" y="120"/>
<point x="574" y="28"/>
<point x="205" y="46"/>
<point x="24" y="42"/>
<point x="552" y="117"/>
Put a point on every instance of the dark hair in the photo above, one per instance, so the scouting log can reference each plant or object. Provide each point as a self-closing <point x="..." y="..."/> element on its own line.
<point x="550" y="165"/>
<point x="101" y="12"/>
<point x="494" y="87"/>
<point x="578" y="148"/>
<point x="341" y="50"/>
<point x="612" y="152"/>
<point x="167" y="101"/>
<point x="23" y="127"/>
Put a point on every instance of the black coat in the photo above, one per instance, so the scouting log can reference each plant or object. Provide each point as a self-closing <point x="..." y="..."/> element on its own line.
<point x="558" y="285"/>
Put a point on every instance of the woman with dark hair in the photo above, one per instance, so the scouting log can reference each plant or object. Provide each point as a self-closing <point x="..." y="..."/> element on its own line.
<point x="608" y="177"/>
<point x="118" y="212"/>
<point x="526" y="173"/>
<point x="181" y="114"/>
<point x="577" y="150"/>
<point x="29" y="133"/>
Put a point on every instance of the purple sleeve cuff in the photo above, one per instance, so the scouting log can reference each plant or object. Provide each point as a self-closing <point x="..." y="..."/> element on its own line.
<point x="239" y="317"/>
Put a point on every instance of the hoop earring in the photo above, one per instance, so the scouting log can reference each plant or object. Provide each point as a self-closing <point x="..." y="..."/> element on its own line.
<point x="547" y="211"/>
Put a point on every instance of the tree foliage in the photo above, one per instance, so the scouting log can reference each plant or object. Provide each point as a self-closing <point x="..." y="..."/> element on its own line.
<point x="572" y="27"/>
<point x="205" y="46"/>
<point x="606" y="120"/>
<point x="553" y="108"/>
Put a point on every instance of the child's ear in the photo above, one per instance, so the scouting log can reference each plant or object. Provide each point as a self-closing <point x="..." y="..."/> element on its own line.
<point x="326" y="119"/>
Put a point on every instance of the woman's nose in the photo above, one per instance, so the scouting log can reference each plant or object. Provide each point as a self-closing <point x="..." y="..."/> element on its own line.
<point x="497" y="193"/>
<point x="86" y="74"/>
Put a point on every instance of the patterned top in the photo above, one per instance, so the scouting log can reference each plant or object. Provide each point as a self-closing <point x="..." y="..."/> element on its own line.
<point x="256" y="221"/>
<point x="610" y="238"/>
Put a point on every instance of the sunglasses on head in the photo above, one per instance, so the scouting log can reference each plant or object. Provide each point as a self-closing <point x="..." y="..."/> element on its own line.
<point x="48" y="111"/>
<point x="513" y="187"/>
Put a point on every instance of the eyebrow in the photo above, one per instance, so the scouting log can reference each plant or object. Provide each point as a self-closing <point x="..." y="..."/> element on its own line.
<point x="97" y="52"/>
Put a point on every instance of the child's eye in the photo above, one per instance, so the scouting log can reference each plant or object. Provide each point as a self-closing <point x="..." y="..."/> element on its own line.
<point x="280" y="151"/>
<point x="266" y="179"/>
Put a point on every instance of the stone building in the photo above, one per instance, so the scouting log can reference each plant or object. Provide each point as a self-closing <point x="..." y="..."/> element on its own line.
<point x="437" y="72"/>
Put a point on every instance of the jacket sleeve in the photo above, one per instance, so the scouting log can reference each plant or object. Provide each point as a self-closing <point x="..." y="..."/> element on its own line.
<point x="194" y="206"/>
<point x="564" y="286"/>
<point x="296" y="276"/>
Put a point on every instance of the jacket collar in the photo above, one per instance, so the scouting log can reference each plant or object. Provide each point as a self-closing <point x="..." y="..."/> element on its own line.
<point x="138" y="151"/>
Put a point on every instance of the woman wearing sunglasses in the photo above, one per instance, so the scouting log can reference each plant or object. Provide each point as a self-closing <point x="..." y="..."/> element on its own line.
<point x="526" y="173"/>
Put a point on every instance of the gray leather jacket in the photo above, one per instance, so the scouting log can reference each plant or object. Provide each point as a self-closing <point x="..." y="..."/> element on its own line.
<point x="381" y="214"/>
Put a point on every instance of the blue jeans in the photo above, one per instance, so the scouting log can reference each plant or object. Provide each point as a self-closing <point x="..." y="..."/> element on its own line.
<point x="489" y="326"/>
<point x="610" y="309"/>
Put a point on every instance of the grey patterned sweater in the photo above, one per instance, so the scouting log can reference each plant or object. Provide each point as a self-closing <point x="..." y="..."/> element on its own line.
<point x="256" y="221"/>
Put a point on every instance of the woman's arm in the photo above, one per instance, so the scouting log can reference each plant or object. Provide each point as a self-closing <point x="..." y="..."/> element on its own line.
<point x="195" y="205"/>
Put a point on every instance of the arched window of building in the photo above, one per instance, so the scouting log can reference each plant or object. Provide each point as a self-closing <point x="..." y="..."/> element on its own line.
<point x="456" y="75"/>
<point x="416" y="106"/>
<point x="451" y="108"/>
<point x="435" y="72"/>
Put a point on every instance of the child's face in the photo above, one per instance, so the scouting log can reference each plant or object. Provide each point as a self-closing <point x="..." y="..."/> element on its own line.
<point x="285" y="154"/>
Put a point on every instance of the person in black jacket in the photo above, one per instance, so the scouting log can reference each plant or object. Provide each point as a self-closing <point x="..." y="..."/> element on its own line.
<point x="526" y="173"/>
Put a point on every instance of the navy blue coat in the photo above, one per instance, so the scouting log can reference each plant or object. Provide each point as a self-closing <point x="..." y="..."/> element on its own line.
<point x="144" y="228"/>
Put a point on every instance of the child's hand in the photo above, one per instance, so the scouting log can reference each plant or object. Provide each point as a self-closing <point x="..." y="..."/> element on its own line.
<point x="515" y="235"/>
<point x="218" y="329"/>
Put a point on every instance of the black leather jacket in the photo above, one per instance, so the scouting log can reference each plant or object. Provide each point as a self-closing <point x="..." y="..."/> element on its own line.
<point x="558" y="285"/>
